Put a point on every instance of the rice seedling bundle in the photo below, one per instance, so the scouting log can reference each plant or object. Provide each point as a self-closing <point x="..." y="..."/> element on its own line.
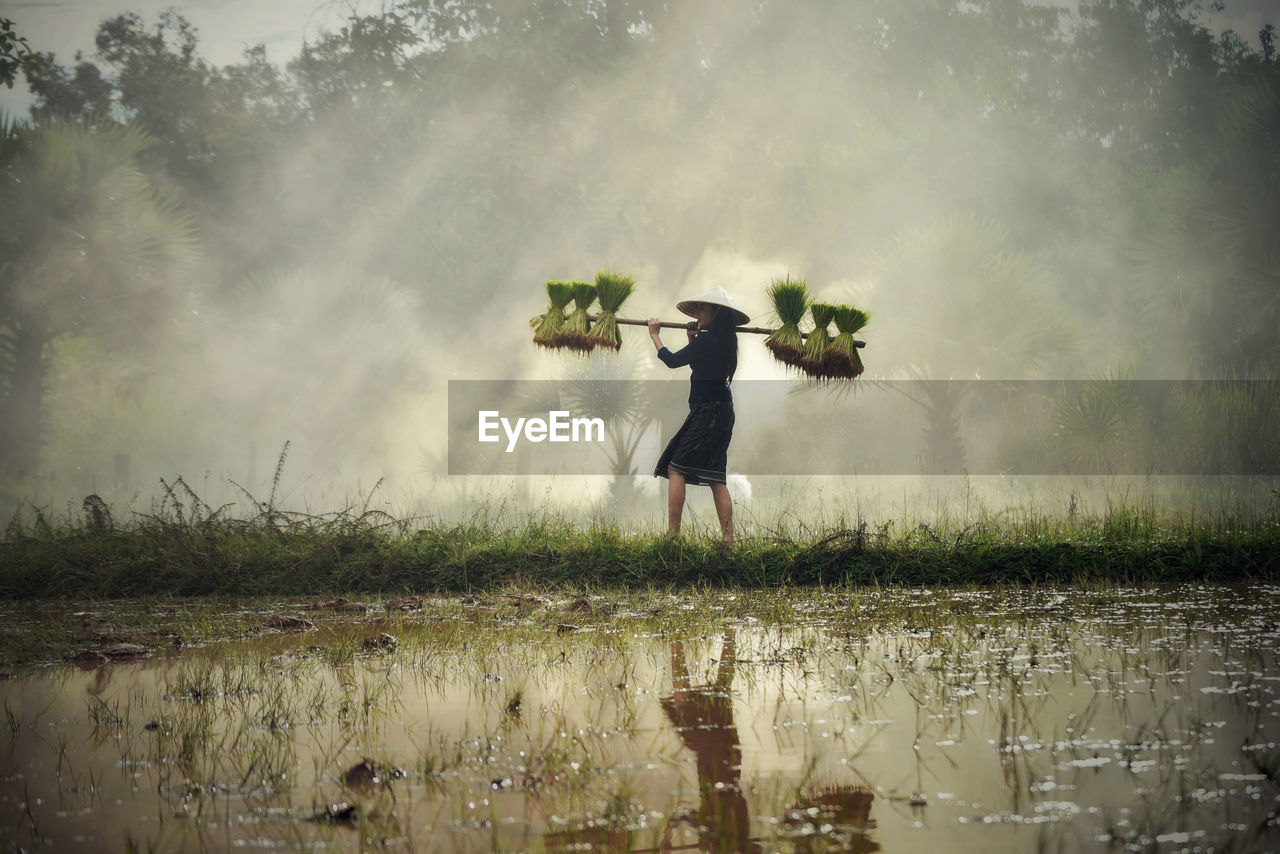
<point x="790" y="299"/>
<point x="546" y="327"/>
<point x="612" y="288"/>
<point x="815" y="347"/>
<point x="576" y="334"/>
<point x="841" y="359"/>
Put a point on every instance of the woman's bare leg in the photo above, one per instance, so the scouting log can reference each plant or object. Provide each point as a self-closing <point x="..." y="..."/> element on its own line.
<point x="675" y="501"/>
<point x="724" y="510"/>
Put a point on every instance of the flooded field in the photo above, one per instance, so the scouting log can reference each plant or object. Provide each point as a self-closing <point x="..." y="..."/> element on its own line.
<point x="841" y="720"/>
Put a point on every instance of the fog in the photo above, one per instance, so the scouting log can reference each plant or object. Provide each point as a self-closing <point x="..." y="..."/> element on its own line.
<point x="270" y="299"/>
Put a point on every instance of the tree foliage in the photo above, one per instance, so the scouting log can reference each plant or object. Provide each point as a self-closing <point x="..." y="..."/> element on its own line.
<point x="1108" y="173"/>
<point x="15" y="54"/>
<point x="90" y="245"/>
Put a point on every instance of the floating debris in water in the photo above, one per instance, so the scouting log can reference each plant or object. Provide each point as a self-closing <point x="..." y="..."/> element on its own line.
<point x="340" y="605"/>
<point x="368" y="774"/>
<point x="381" y="642"/>
<point x="527" y="600"/>
<point x="286" y="624"/>
<point x="405" y="603"/>
<point x="339" y="813"/>
<point x="114" y="652"/>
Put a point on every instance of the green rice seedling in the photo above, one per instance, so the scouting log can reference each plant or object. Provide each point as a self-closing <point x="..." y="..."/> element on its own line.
<point x="547" y="325"/>
<point x="841" y="357"/>
<point x="790" y="298"/>
<point x="575" y="334"/>
<point x="613" y="289"/>
<point x="815" y="347"/>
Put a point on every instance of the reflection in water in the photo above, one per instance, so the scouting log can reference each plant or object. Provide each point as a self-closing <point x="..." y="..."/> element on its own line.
<point x="703" y="716"/>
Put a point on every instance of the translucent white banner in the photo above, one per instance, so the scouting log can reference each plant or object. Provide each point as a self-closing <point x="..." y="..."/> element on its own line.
<point x="980" y="427"/>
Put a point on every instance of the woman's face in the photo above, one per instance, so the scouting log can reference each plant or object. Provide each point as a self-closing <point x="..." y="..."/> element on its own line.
<point x="705" y="312"/>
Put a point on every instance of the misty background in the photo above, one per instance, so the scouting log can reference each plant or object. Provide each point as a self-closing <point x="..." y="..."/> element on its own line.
<point x="201" y="261"/>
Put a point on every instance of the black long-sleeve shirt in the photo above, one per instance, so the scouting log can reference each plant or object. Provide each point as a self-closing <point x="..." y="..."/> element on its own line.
<point x="709" y="360"/>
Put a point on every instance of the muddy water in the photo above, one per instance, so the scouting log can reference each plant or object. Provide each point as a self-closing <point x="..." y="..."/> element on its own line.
<point x="898" y="720"/>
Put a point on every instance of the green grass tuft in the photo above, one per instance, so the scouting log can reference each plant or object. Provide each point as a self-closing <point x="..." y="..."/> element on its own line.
<point x="202" y="553"/>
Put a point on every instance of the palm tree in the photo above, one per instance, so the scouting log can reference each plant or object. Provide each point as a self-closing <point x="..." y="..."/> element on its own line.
<point x="611" y="389"/>
<point x="319" y="354"/>
<point x="967" y="308"/>
<point x="90" y="246"/>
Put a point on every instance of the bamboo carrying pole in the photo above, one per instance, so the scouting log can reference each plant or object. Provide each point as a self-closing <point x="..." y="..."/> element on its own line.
<point x="667" y="324"/>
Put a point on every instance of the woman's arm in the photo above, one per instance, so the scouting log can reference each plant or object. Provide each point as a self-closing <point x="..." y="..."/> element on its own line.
<point x="691" y="330"/>
<point x="686" y="355"/>
<point x="654" y="335"/>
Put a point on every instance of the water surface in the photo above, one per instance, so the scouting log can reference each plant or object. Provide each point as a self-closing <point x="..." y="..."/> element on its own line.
<point x="846" y="720"/>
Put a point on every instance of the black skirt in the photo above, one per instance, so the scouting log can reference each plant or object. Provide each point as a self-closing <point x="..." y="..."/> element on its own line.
<point x="700" y="448"/>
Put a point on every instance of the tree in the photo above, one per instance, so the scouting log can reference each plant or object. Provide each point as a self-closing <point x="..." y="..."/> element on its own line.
<point x="81" y="92"/>
<point x="365" y="64"/>
<point x="320" y="355"/>
<point x="1144" y="77"/>
<point x="1204" y="255"/>
<point x="15" y="54"/>
<point x="611" y="389"/>
<point x="90" y="246"/>
<point x="967" y="307"/>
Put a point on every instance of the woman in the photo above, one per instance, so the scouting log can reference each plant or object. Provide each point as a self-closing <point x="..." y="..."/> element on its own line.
<point x="699" y="450"/>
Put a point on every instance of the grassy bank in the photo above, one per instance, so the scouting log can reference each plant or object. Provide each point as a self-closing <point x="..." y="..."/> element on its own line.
<point x="192" y="551"/>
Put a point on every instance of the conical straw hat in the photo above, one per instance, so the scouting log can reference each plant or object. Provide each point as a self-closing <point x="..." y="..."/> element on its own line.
<point x="716" y="296"/>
